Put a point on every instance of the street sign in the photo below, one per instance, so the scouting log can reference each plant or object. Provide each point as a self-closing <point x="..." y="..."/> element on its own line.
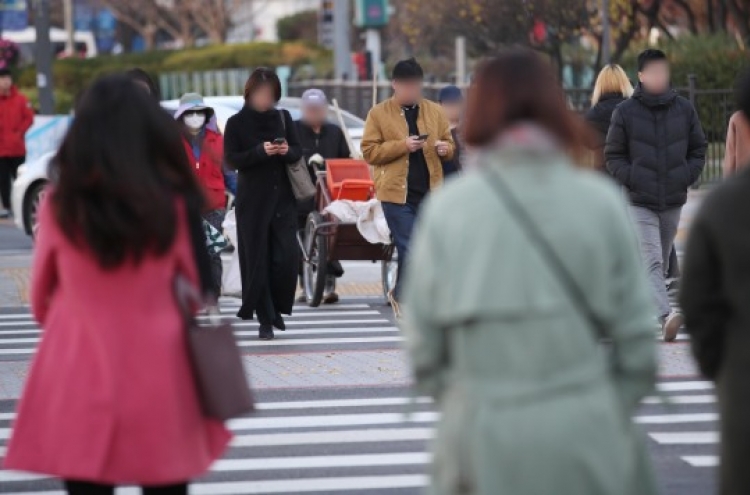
<point x="371" y="13"/>
<point x="325" y="24"/>
<point x="13" y="15"/>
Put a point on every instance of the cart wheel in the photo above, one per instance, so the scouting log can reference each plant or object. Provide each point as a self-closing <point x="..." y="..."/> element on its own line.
<point x="315" y="272"/>
<point x="389" y="274"/>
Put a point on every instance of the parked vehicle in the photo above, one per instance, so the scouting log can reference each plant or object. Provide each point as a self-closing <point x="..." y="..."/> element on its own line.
<point x="33" y="175"/>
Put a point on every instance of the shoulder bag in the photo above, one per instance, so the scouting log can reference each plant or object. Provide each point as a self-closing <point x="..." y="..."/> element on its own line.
<point x="215" y="358"/>
<point x="299" y="175"/>
<point x="537" y="238"/>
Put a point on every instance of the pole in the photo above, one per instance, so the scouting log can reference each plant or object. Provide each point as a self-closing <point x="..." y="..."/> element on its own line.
<point x="342" y="52"/>
<point x="606" y="37"/>
<point x="460" y="60"/>
<point x="372" y="44"/>
<point x="43" y="58"/>
<point x="70" y="43"/>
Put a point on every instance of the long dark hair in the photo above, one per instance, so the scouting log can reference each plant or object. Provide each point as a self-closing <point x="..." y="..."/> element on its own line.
<point x="119" y="172"/>
<point x="519" y="86"/>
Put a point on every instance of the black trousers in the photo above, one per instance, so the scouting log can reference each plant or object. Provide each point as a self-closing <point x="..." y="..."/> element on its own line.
<point x="8" y="169"/>
<point x="86" y="488"/>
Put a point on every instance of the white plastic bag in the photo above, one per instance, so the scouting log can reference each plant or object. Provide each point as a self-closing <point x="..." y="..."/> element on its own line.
<point x="231" y="280"/>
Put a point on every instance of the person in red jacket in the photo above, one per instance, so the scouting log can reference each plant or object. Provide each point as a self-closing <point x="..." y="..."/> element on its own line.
<point x="15" y="119"/>
<point x="204" y="146"/>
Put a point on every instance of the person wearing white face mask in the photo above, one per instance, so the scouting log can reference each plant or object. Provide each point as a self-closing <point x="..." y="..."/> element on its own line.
<point x="204" y="146"/>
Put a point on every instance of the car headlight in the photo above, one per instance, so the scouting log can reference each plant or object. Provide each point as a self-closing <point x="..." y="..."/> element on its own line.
<point x="21" y="170"/>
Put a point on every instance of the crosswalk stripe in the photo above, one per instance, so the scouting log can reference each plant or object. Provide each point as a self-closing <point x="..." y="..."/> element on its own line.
<point x="681" y="399"/>
<point x="684" y="386"/>
<point x="677" y="418"/>
<point x="284" y="463"/>
<point x="335" y="420"/>
<point x="253" y="323"/>
<point x="304" y="485"/>
<point x="333" y="437"/>
<point x="688" y="437"/>
<point x="701" y="461"/>
<point x="311" y="331"/>
<point x="279" y="342"/>
<point x="311" y="462"/>
<point x="315" y="404"/>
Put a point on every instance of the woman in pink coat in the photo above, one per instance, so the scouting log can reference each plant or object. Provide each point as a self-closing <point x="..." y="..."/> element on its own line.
<point x="110" y="398"/>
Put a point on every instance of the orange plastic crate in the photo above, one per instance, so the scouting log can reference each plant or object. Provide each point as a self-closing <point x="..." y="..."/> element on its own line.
<point x="349" y="179"/>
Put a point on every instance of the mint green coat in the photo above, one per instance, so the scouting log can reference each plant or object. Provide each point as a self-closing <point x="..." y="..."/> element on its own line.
<point x="531" y="404"/>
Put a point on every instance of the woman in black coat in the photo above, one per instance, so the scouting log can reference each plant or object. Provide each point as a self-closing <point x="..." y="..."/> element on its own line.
<point x="612" y="88"/>
<point x="265" y="205"/>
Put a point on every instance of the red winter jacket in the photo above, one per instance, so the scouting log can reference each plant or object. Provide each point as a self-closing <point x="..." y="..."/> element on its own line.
<point x="15" y="119"/>
<point x="209" y="168"/>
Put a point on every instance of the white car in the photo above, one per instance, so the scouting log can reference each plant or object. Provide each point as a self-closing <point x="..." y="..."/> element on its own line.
<point x="33" y="176"/>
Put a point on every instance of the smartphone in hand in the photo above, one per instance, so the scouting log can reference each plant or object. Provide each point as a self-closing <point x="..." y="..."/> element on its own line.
<point x="279" y="141"/>
<point x="424" y="137"/>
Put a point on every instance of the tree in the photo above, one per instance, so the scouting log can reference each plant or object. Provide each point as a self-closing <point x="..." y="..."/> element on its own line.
<point x="299" y="26"/>
<point x="148" y="17"/>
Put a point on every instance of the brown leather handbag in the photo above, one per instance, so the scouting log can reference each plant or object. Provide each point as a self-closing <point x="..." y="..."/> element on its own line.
<point x="215" y="359"/>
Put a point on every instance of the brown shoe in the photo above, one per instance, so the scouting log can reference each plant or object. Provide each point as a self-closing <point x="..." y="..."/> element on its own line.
<point x="672" y="326"/>
<point x="331" y="298"/>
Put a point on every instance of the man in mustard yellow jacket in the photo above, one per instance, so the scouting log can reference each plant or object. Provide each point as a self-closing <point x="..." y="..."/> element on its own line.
<point x="406" y="140"/>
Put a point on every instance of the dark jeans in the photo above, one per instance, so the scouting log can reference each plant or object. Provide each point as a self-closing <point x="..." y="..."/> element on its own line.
<point x="8" y="169"/>
<point x="216" y="218"/>
<point x="86" y="488"/>
<point x="401" y="220"/>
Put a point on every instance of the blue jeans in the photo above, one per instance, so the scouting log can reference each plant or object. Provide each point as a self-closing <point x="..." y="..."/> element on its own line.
<point x="401" y="220"/>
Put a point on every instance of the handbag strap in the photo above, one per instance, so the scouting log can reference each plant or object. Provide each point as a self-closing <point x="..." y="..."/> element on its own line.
<point x="283" y="120"/>
<point x="573" y="289"/>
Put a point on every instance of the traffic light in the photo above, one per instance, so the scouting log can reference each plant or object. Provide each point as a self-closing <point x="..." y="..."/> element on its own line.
<point x="371" y="13"/>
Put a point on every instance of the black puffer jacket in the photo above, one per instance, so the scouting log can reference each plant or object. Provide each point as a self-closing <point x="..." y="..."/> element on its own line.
<point x="656" y="148"/>
<point x="599" y="117"/>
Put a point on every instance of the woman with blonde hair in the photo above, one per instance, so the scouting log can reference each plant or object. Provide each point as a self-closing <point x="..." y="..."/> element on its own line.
<point x="612" y="88"/>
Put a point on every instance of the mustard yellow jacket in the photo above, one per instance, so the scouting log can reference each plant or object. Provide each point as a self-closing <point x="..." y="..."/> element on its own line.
<point x="384" y="146"/>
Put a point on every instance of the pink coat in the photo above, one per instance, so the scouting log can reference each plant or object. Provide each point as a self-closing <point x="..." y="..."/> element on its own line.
<point x="110" y="397"/>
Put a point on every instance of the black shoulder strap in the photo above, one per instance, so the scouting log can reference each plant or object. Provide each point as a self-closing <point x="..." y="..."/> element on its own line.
<point x="535" y="235"/>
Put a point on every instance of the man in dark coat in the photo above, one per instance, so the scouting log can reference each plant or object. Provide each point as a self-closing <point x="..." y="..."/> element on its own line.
<point x="320" y="140"/>
<point x="715" y="297"/>
<point x="656" y="149"/>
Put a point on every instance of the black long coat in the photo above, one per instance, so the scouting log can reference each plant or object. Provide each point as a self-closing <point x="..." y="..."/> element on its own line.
<point x="715" y="298"/>
<point x="656" y="149"/>
<point x="265" y="207"/>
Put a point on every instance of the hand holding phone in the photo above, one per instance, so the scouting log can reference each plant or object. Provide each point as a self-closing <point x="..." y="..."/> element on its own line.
<point x="279" y="141"/>
<point x="414" y="143"/>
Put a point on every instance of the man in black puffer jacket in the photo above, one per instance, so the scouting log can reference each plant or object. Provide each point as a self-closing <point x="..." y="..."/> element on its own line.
<point x="656" y="149"/>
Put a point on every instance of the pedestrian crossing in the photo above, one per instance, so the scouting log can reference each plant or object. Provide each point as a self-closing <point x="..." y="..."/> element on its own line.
<point x="377" y="441"/>
<point x="355" y="325"/>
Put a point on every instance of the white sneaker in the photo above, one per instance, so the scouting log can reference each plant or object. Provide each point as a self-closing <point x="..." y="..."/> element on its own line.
<point x="672" y="326"/>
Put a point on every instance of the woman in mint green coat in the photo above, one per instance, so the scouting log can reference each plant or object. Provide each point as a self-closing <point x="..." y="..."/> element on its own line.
<point x="531" y="402"/>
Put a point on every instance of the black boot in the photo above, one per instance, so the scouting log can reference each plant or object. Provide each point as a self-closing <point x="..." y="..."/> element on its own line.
<point x="278" y="322"/>
<point x="265" y="332"/>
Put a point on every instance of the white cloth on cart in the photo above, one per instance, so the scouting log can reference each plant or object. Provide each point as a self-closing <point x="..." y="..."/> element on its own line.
<point x="231" y="280"/>
<point x="368" y="215"/>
